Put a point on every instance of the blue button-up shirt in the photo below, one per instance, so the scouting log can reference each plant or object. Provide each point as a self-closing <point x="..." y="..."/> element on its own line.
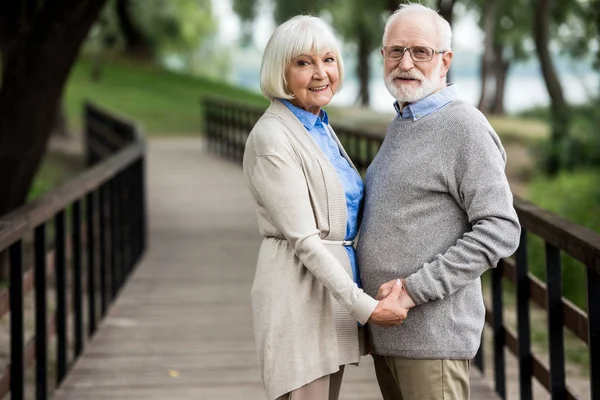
<point x="316" y="125"/>
<point x="428" y="104"/>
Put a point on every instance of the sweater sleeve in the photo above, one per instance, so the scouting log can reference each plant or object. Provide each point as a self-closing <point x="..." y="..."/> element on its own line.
<point x="277" y="181"/>
<point x="474" y="162"/>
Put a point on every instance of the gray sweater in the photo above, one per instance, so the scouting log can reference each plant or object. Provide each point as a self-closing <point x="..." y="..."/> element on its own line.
<point x="438" y="212"/>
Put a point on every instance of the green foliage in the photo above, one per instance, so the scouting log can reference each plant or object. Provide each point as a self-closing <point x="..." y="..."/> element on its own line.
<point x="164" y="102"/>
<point x="360" y="17"/>
<point x="174" y="26"/>
<point x="180" y="26"/>
<point x="514" y="20"/>
<point x="575" y="27"/>
<point x="581" y="147"/>
<point x="576" y="197"/>
<point x="285" y="9"/>
<point x="246" y="10"/>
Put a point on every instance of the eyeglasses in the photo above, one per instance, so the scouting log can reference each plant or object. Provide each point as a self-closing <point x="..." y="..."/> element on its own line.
<point x="417" y="53"/>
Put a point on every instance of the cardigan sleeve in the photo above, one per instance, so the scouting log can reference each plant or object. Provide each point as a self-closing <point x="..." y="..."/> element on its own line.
<point x="277" y="181"/>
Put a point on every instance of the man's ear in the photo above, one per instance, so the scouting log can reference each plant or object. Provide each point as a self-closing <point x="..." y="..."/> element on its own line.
<point x="446" y="61"/>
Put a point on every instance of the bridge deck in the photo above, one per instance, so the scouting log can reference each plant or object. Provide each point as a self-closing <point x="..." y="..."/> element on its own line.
<point x="182" y="326"/>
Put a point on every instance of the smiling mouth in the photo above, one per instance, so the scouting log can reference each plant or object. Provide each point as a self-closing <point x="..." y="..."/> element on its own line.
<point x="319" y="88"/>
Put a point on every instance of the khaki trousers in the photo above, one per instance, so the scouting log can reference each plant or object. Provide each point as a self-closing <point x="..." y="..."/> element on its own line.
<point x="410" y="379"/>
<point x="325" y="388"/>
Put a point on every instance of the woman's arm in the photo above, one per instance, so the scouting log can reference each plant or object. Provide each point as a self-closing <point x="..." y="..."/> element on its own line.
<point x="276" y="179"/>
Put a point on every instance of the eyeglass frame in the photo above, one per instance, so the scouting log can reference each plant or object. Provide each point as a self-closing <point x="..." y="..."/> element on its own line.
<point x="434" y="52"/>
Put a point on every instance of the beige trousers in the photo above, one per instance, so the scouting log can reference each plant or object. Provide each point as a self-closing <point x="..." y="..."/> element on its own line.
<point x="325" y="388"/>
<point x="410" y="379"/>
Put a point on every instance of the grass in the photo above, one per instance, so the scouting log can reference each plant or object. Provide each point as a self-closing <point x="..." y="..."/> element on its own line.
<point x="515" y="129"/>
<point x="164" y="102"/>
<point x="56" y="169"/>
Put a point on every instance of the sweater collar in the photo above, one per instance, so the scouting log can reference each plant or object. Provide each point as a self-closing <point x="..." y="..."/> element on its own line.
<point x="428" y="104"/>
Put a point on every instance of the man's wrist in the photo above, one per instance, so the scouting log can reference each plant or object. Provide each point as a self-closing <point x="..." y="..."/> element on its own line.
<point x="409" y="302"/>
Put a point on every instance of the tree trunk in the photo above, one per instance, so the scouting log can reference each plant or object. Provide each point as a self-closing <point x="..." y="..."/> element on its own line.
<point x="446" y="8"/>
<point x="362" y="69"/>
<point x="559" y="108"/>
<point x="501" y="72"/>
<point x="61" y="127"/>
<point x="490" y="8"/>
<point x="36" y="62"/>
<point x="136" y="44"/>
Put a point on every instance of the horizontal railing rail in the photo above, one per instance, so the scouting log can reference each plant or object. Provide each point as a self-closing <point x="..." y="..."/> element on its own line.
<point x="227" y="125"/>
<point x="92" y="228"/>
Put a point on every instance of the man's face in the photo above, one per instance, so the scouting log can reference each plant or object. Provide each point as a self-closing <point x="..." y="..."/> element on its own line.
<point x="409" y="81"/>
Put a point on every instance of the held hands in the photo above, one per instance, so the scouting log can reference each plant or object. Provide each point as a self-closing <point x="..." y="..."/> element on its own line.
<point x="389" y="312"/>
<point x="404" y="299"/>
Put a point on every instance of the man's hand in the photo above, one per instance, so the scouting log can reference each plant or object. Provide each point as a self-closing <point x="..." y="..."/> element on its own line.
<point x="386" y="289"/>
<point x="389" y="312"/>
<point x="404" y="299"/>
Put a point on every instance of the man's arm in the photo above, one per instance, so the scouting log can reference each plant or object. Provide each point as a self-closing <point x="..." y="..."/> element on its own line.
<point x="474" y="167"/>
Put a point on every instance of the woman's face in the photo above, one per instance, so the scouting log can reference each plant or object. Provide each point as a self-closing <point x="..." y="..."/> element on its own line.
<point x="312" y="79"/>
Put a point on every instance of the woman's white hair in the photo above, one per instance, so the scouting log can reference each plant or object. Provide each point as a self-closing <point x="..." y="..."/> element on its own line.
<point x="301" y="34"/>
<point x="443" y="27"/>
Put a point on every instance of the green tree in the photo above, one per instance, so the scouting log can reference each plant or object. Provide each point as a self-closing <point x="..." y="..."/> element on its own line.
<point x="155" y="28"/>
<point x="361" y="23"/>
<point x="39" y="42"/>
<point x="573" y="26"/>
<point x="506" y="25"/>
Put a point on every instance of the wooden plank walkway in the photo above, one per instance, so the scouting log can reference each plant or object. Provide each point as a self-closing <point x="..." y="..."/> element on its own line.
<point x="182" y="326"/>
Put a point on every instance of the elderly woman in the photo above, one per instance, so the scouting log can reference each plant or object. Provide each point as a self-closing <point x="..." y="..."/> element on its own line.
<point x="305" y="298"/>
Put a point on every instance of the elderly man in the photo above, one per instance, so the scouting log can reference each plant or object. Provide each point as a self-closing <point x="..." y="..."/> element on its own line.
<point x="438" y="213"/>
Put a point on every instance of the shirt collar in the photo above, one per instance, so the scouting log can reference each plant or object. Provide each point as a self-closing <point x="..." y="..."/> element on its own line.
<point x="308" y="119"/>
<point x="428" y="104"/>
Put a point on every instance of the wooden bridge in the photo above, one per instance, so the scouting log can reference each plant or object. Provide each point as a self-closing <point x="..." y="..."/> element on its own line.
<point x="176" y="323"/>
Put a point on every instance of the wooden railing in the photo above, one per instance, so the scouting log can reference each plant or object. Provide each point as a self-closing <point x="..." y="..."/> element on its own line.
<point x="97" y="222"/>
<point x="227" y="127"/>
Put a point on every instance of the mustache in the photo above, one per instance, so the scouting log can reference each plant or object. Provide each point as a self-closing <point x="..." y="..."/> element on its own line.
<point x="410" y="74"/>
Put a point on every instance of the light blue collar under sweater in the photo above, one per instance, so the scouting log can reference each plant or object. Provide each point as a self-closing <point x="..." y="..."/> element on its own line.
<point x="429" y="104"/>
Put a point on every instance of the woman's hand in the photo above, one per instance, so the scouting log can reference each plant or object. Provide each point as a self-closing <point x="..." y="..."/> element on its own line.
<point x="389" y="312"/>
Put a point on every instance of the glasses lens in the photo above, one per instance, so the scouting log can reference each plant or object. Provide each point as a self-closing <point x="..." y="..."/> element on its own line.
<point x="393" y="52"/>
<point x="421" y="53"/>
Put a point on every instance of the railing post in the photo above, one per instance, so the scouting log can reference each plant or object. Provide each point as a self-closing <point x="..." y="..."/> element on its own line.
<point x="555" y="322"/>
<point x="114" y="237"/>
<point x="523" y="320"/>
<point x="77" y="290"/>
<point x="61" y="297"/>
<point x="41" y="319"/>
<point x="593" y="290"/>
<point x="102" y="216"/>
<point x="91" y="260"/>
<point x="17" y="346"/>
<point x="143" y="207"/>
<point x="497" y="306"/>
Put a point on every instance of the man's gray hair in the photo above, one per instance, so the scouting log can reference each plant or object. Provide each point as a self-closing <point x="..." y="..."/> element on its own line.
<point x="443" y="27"/>
<point x="301" y="34"/>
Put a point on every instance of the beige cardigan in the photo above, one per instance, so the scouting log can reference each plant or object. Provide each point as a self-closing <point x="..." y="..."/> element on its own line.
<point x="305" y="303"/>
